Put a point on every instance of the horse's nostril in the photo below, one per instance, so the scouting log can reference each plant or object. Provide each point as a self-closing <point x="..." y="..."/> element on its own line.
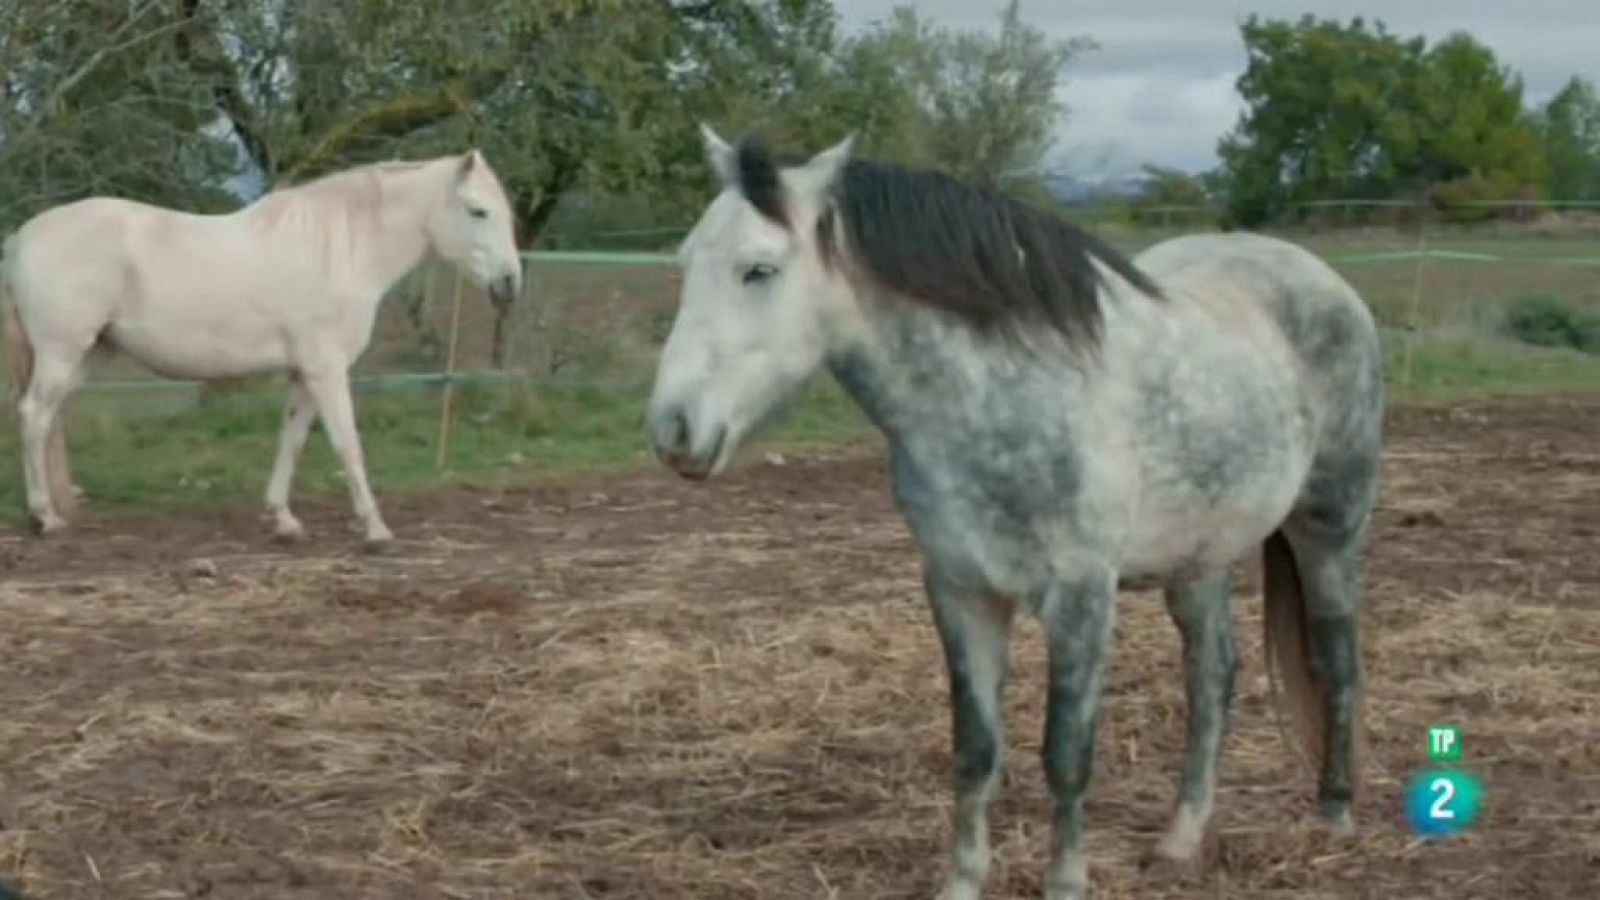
<point x="671" y="433"/>
<point x="504" y="289"/>
<point x="679" y="434"/>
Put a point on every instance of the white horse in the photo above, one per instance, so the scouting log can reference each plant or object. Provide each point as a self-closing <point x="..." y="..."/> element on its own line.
<point x="290" y="284"/>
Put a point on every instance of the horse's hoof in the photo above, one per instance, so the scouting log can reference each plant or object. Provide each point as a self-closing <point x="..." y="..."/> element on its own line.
<point x="961" y="889"/>
<point x="378" y="545"/>
<point x="1068" y="880"/>
<point x="1338" y="822"/>
<point x="289" y="535"/>
<point x="1183" y="840"/>
<point x="1173" y="852"/>
<point x="44" y="526"/>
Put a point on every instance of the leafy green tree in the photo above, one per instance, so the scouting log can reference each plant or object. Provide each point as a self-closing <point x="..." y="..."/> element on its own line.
<point x="92" y="100"/>
<point x="1569" y="133"/>
<point x="981" y="105"/>
<point x="1340" y="110"/>
<point x="1171" y="187"/>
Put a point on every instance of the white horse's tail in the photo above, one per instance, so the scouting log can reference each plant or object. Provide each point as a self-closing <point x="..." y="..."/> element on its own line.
<point x="18" y="351"/>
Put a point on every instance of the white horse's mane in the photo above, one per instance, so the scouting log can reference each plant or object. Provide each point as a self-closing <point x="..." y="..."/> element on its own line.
<point x="339" y="205"/>
<point x="354" y="187"/>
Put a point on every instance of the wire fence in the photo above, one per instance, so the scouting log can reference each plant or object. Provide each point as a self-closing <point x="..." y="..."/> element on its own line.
<point x="596" y="319"/>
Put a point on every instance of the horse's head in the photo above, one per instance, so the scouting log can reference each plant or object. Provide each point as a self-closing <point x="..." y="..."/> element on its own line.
<point x="473" y="228"/>
<point x="759" y="305"/>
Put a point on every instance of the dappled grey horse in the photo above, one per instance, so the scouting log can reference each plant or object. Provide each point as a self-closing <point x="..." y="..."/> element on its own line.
<point x="1061" y="422"/>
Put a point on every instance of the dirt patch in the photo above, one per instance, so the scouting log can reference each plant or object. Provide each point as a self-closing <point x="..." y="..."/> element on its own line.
<point x="638" y="687"/>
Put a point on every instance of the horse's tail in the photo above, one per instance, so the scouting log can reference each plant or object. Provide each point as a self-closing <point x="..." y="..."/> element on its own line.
<point x="1287" y="634"/>
<point x="18" y="351"/>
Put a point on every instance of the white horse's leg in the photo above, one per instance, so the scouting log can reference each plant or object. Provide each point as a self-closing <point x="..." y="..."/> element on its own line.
<point x="330" y="388"/>
<point x="299" y="413"/>
<point x="54" y="377"/>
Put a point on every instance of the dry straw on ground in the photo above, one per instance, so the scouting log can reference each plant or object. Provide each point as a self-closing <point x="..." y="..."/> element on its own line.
<point x="647" y="689"/>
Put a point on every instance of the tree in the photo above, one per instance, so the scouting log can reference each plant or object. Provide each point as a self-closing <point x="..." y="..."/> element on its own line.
<point x="93" y="101"/>
<point x="1349" y="110"/>
<point x="1170" y="195"/>
<point x="561" y="94"/>
<point x="1569" y="134"/>
<point x="983" y="106"/>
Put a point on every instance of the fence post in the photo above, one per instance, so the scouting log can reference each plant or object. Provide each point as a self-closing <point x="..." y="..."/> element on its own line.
<point x="1413" y="313"/>
<point x="448" y="395"/>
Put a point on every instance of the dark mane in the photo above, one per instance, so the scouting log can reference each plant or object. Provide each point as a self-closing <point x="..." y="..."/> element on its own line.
<point x="988" y="259"/>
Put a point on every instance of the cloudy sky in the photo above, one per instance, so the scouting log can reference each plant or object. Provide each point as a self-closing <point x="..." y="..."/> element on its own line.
<point x="1160" y="88"/>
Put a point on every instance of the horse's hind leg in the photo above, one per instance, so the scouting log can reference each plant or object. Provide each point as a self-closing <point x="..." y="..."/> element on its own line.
<point x="300" y="411"/>
<point x="55" y="376"/>
<point x="1330" y="579"/>
<point x="1325" y="534"/>
<point x="975" y="631"/>
<point x="1203" y="612"/>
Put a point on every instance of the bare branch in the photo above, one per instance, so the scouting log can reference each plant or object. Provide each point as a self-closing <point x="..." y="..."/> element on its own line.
<point x="114" y="44"/>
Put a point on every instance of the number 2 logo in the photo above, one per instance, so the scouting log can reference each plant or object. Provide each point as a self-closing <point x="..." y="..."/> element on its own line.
<point x="1445" y="791"/>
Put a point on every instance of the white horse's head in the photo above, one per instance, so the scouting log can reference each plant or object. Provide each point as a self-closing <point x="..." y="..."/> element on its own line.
<point x="760" y="305"/>
<point x="473" y="228"/>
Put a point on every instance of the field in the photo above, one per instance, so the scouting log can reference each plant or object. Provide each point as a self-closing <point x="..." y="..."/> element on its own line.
<point x="578" y="677"/>
<point x="631" y="687"/>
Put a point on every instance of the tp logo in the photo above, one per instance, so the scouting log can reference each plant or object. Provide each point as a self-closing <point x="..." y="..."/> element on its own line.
<point x="1444" y="743"/>
<point x="1443" y="802"/>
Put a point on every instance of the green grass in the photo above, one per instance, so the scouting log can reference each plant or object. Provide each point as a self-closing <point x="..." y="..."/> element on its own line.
<point x="1449" y="368"/>
<point x="503" y="434"/>
<point x="199" y="457"/>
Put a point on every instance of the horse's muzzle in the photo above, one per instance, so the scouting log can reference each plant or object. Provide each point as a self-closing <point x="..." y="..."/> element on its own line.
<point x="504" y="289"/>
<point x="674" y="443"/>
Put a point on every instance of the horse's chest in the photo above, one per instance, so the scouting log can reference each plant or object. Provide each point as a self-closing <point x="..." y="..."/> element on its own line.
<point x="1008" y="517"/>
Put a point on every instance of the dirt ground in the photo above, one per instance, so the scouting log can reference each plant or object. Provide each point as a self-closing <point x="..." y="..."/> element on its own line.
<point x="641" y="688"/>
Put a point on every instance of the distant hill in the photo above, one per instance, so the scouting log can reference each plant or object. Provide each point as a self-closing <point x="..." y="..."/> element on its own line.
<point x="1079" y="190"/>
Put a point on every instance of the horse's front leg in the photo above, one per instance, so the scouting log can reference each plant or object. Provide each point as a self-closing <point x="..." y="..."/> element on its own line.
<point x="1077" y="618"/>
<point x="329" y="386"/>
<point x="299" y="413"/>
<point x="975" y="629"/>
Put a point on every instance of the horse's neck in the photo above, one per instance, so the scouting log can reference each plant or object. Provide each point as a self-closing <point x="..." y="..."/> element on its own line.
<point x="400" y="241"/>
<point x="917" y="373"/>
<point x="370" y="242"/>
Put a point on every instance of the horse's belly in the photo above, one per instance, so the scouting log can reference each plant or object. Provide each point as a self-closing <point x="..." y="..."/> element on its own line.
<point x="1184" y="538"/>
<point x="203" y="350"/>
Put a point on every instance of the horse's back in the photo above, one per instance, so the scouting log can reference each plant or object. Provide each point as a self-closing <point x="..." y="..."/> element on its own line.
<point x="1321" y="318"/>
<point x="73" y="255"/>
<point x="1315" y="308"/>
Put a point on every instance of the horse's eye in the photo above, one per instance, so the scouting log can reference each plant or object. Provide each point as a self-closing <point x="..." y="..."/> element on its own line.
<point x="759" y="273"/>
<point x="477" y="212"/>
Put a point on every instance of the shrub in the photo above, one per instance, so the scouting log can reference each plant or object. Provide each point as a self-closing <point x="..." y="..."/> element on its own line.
<point x="1550" y="320"/>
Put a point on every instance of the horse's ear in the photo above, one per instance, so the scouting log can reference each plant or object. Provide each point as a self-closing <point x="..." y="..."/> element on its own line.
<point x="719" y="154"/>
<point x="821" y="172"/>
<point x="469" y="161"/>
